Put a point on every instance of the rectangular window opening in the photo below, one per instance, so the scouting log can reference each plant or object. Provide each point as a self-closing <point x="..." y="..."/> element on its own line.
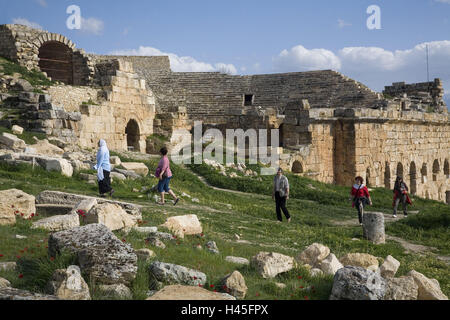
<point x="248" y="100"/>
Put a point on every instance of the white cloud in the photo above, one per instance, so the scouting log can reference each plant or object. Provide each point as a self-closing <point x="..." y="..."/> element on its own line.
<point x="443" y="1"/>
<point x="343" y="24"/>
<point x="42" y="3"/>
<point x="299" y="58"/>
<point x="26" y="22"/>
<point x="177" y="63"/>
<point x="92" y="25"/>
<point x="373" y="66"/>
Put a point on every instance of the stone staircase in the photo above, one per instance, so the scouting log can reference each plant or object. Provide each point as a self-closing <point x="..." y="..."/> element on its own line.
<point x="216" y="94"/>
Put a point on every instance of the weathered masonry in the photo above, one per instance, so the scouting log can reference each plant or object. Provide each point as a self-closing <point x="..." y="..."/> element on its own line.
<point x="331" y="127"/>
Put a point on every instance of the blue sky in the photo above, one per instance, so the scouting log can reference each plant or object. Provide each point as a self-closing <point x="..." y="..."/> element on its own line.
<point x="250" y="36"/>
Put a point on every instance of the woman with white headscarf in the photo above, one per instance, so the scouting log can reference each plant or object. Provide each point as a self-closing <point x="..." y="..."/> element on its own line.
<point x="103" y="168"/>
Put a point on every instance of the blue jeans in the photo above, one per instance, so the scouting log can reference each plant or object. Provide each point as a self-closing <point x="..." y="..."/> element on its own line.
<point x="163" y="185"/>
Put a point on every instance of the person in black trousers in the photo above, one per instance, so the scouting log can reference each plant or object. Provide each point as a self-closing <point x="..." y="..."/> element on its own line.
<point x="280" y="194"/>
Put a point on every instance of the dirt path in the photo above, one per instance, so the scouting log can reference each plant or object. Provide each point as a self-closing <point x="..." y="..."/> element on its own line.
<point x="203" y="180"/>
<point x="408" y="246"/>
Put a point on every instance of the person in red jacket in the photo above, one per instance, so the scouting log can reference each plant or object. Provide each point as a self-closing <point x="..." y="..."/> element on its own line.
<point x="401" y="195"/>
<point x="360" y="197"/>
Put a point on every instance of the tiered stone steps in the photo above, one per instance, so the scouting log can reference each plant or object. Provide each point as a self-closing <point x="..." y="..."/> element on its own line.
<point x="218" y="94"/>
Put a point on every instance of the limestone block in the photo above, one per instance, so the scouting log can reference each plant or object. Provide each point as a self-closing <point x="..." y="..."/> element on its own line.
<point x="363" y="260"/>
<point x="139" y="168"/>
<point x="234" y="284"/>
<point x="429" y="289"/>
<point x="16" y="129"/>
<point x="270" y="264"/>
<point x="404" y="288"/>
<point x="237" y="260"/>
<point x="184" y="225"/>
<point x="15" y="202"/>
<point x="110" y="215"/>
<point x="330" y="265"/>
<point x="314" y="254"/>
<point x="58" y="223"/>
<point x="11" y="141"/>
<point x="389" y="267"/>
<point x="174" y="274"/>
<point x="68" y="284"/>
<point x="179" y="292"/>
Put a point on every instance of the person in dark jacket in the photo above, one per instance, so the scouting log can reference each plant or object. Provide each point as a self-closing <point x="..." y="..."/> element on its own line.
<point x="360" y="197"/>
<point x="280" y="194"/>
<point x="401" y="195"/>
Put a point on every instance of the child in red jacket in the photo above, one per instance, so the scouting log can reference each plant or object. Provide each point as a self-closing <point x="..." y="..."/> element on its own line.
<point x="360" y="197"/>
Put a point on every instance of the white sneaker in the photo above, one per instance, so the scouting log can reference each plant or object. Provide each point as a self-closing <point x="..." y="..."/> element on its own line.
<point x="394" y="216"/>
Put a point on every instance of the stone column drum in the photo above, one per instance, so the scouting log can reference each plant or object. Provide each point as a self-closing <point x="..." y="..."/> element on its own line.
<point x="373" y="227"/>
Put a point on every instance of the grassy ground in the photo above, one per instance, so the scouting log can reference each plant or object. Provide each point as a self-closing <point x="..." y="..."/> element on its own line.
<point x="313" y="205"/>
<point x="34" y="77"/>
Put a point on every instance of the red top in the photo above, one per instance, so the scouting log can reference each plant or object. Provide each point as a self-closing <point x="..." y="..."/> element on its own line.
<point x="362" y="192"/>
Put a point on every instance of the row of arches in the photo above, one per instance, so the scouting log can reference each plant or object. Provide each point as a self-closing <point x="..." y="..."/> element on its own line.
<point x="400" y="171"/>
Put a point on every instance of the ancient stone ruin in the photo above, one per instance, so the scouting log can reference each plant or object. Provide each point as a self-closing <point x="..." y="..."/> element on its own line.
<point x="332" y="128"/>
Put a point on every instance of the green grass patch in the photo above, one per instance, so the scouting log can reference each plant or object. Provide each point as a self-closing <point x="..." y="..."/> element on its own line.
<point x="34" y="77"/>
<point x="314" y="206"/>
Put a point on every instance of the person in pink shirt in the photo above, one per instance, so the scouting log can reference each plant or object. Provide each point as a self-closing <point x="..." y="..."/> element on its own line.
<point x="164" y="174"/>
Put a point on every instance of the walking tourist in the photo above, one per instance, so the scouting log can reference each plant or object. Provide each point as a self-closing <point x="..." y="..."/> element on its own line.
<point x="164" y="174"/>
<point x="103" y="168"/>
<point x="360" y="197"/>
<point x="281" y="194"/>
<point x="401" y="195"/>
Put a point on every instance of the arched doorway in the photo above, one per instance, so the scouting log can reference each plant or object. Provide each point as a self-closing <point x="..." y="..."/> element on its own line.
<point x="400" y="170"/>
<point x="446" y="169"/>
<point x="387" y="176"/>
<point x="281" y="133"/>
<point x="297" y="167"/>
<point x="55" y="59"/>
<point x="368" y="179"/>
<point x="133" y="135"/>
<point x="436" y="170"/>
<point x="424" y="173"/>
<point x="413" y="178"/>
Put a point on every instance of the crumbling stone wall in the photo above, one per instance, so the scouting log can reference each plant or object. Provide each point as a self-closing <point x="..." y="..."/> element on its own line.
<point x="127" y="99"/>
<point x="21" y="44"/>
<point x="71" y="97"/>
<point x="419" y="96"/>
<point x="376" y="144"/>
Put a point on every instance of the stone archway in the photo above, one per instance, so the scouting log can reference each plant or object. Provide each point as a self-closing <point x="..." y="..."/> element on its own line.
<point x="387" y="176"/>
<point x="297" y="167"/>
<point x="281" y="135"/>
<point x="446" y="169"/>
<point x="56" y="59"/>
<point x="424" y="173"/>
<point x="413" y="178"/>
<point x="133" y="135"/>
<point x="399" y="171"/>
<point x="436" y="169"/>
